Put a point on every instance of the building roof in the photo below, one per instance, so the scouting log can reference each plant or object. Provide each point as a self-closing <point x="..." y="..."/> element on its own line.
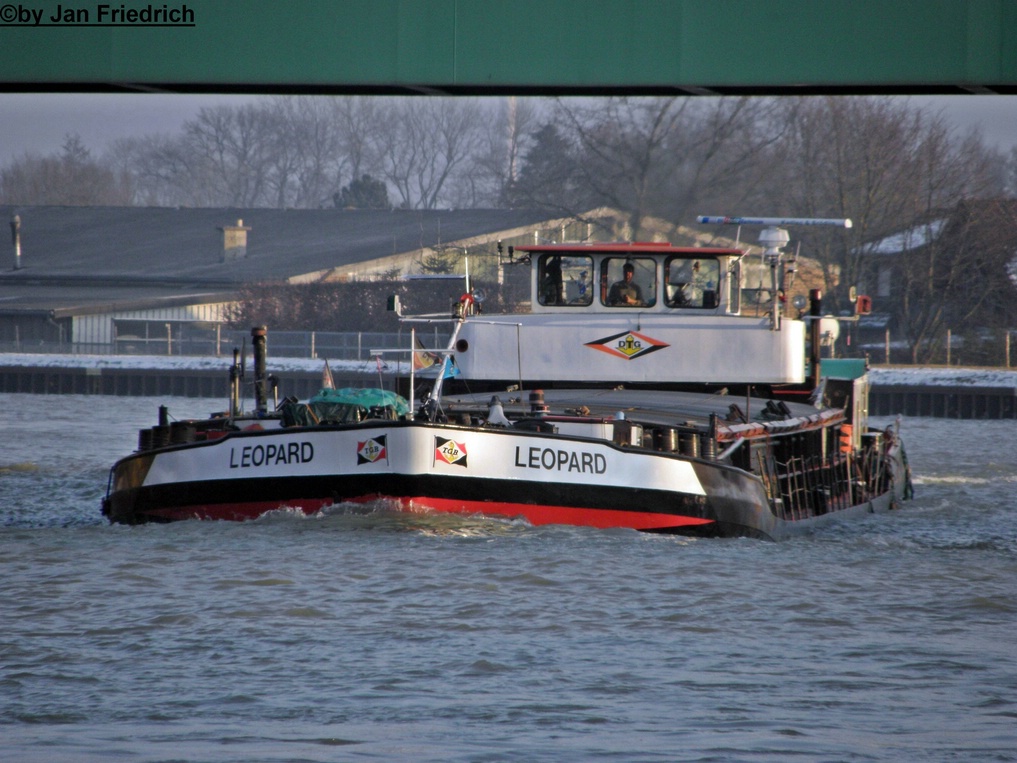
<point x="84" y="258"/>
<point x="914" y="237"/>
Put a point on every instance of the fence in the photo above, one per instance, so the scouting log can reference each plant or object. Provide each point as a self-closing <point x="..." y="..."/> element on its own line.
<point x="980" y="348"/>
<point x="187" y="340"/>
<point x="200" y="342"/>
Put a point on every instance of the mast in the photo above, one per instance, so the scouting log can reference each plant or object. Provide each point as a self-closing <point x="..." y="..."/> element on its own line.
<point x="773" y="238"/>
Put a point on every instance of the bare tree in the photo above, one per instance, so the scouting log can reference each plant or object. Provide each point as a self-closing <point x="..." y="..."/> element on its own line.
<point x="957" y="277"/>
<point x="359" y="121"/>
<point x="307" y="155"/>
<point x="623" y="142"/>
<point x="281" y="152"/>
<point x="165" y="172"/>
<point x="223" y="158"/>
<point x="890" y="168"/>
<point x="71" y="177"/>
<point x="649" y="156"/>
<point x="1009" y="170"/>
<point x="497" y="164"/>
<point x="881" y="163"/>
<point x="285" y="126"/>
<point x="725" y="157"/>
<point x="550" y="176"/>
<point x="233" y="150"/>
<point x="425" y="144"/>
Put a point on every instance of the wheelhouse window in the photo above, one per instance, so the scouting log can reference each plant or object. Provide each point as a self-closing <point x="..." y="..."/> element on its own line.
<point x="628" y="281"/>
<point x="565" y="280"/>
<point x="692" y="282"/>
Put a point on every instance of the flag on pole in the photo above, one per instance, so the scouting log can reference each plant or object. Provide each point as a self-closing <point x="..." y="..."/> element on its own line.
<point x="427" y="363"/>
<point x="326" y="377"/>
<point x="447" y="368"/>
<point x="421" y="359"/>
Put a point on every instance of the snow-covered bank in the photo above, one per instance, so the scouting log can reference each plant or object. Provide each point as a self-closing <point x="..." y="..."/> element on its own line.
<point x="938" y="376"/>
<point x="185" y="363"/>
<point x="880" y="375"/>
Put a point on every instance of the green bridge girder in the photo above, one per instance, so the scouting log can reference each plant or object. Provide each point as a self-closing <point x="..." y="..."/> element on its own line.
<point x="510" y="46"/>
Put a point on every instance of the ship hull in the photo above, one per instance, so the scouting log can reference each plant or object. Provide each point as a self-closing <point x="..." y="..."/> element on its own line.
<point x="418" y="466"/>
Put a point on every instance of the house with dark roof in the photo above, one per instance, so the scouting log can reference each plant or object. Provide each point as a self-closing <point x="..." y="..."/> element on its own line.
<point x="976" y="242"/>
<point x="93" y="275"/>
<point x="954" y="269"/>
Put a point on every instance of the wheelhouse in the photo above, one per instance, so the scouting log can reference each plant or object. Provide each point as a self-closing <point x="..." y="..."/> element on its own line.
<point x="657" y="278"/>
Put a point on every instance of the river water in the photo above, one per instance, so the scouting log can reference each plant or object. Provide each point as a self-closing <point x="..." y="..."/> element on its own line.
<point x="377" y="637"/>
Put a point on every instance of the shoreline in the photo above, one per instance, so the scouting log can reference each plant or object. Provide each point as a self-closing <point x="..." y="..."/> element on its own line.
<point x="932" y="391"/>
<point x="880" y="375"/>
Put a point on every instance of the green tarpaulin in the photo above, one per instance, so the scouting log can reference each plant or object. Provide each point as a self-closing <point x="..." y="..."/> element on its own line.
<point x="346" y="406"/>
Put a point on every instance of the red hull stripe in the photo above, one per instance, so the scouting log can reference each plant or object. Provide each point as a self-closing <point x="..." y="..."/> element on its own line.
<point x="535" y="514"/>
<point x="555" y="515"/>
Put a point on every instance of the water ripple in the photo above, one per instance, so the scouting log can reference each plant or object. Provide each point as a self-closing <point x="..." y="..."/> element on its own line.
<point x="377" y="636"/>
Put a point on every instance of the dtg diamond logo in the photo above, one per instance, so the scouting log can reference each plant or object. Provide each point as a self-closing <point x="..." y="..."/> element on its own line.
<point x="628" y="345"/>
<point x="449" y="451"/>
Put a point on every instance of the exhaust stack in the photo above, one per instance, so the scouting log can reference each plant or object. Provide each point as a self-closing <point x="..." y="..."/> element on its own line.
<point x="16" y="240"/>
<point x="259" y="342"/>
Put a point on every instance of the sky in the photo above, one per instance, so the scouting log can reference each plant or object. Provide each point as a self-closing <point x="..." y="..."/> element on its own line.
<point x="39" y="122"/>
